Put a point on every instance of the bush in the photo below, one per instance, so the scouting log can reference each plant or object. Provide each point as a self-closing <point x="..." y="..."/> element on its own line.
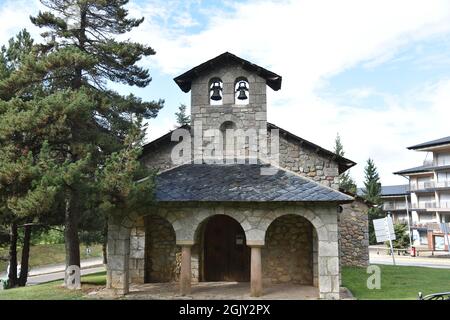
<point x="49" y="236"/>
<point x="401" y="236"/>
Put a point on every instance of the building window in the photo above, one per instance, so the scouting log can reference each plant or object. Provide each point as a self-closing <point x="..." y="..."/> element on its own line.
<point x="215" y="92"/>
<point x="241" y="91"/>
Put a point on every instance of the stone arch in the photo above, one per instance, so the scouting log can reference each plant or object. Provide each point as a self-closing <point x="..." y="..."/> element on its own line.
<point x="162" y="255"/>
<point x="201" y="218"/>
<point x="315" y="220"/>
<point x="288" y="254"/>
<point x="223" y="254"/>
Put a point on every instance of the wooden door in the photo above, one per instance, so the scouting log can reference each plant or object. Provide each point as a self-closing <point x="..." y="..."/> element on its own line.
<point x="226" y="255"/>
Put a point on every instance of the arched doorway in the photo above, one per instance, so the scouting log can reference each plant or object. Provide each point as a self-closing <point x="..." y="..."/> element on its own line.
<point x="226" y="256"/>
<point x="288" y="256"/>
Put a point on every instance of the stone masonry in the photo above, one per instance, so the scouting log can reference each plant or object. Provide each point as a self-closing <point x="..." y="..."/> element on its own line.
<point x="255" y="219"/>
<point x="354" y="234"/>
<point x="293" y="241"/>
<point x="287" y="255"/>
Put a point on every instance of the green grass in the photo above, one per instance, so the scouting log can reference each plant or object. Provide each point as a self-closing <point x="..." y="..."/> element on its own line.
<point x="54" y="290"/>
<point x="44" y="254"/>
<point x="397" y="282"/>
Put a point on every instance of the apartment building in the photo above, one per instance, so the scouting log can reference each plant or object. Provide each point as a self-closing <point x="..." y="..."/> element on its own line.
<point x="429" y="192"/>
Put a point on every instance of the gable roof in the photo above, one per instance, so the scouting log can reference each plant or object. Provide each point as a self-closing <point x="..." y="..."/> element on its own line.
<point x="343" y="163"/>
<point x="432" y="143"/>
<point x="240" y="182"/>
<point x="184" y="81"/>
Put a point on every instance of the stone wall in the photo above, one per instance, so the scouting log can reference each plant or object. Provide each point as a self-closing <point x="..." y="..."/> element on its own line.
<point x="255" y="219"/>
<point x="158" y="157"/>
<point x="288" y="253"/>
<point x="354" y="234"/>
<point x="292" y="156"/>
<point x="308" y="163"/>
<point x="160" y="251"/>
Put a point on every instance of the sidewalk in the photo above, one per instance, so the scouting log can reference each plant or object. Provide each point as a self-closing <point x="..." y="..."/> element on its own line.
<point x="56" y="272"/>
<point x="430" y="262"/>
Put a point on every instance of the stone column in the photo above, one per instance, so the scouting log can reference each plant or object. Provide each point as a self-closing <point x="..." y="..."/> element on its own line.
<point x="329" y="281"/>
<point x="256" y="289"/>
<point x="185" y="276"/>
<point x="118" y="258"/>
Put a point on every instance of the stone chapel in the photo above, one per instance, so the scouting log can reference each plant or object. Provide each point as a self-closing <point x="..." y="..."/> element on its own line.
<point x="219" y="216"/>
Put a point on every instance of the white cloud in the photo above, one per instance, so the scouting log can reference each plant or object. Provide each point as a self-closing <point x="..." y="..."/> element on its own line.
<point x="307" y="42"/>
<point x="15" y="15"/>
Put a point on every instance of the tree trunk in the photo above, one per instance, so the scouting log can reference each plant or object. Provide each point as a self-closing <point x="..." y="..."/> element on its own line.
<point x="24" y="265"/>
<point x="105" y="242"/>
<point x="12" y="276"/>
<point x="72" y="242"/>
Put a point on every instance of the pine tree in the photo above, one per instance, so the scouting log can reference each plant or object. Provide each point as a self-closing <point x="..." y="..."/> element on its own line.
<point x="371" y="191"/>
<point x="372" y="184"/>
<point x="22" y="178"/>
<point x="346" y="183"/>
<point x="83" y="122"/>
<point x="182" y="118"/>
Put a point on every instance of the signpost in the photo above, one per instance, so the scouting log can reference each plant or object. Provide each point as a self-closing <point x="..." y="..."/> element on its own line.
<point x="384" y="231"/>
<point x="444" y="229"/>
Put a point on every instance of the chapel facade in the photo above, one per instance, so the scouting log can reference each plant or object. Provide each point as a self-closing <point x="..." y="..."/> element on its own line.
<point x="261" y="207"/>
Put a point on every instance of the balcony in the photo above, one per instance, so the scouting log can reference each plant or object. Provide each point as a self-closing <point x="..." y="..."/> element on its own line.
<point x="394" y="206"/>
<point x="422" y="186"/>
<point x="424" y="205"/>
<point x="443" y="184"/>
<point x="444" y="205"/>
<point x="427" y="185"/>
<point x="431" y="205"/>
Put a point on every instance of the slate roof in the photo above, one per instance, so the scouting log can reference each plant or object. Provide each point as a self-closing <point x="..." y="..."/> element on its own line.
<point x="184" y="81"/>
<point x="240" y="182"/>
<point x="344" y="163"/>
<point x="419" y="169"/>
<point x="395" y="190"/>
<point x="423" y="168"/>
<point x="432" y="143"/>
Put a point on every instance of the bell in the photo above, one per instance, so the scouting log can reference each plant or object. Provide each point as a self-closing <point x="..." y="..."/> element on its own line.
<point x="216" y="91"/>
<point x="242" y="88"/>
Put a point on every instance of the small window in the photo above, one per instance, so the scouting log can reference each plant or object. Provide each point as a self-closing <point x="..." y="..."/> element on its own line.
<point x="215" y="92"/>
<point x="241" y="91"/>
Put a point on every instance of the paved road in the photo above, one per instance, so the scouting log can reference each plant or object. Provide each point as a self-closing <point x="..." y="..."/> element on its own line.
<point x="56" y="272"/>
<point x="429" y="262"/>
<point x="33" y="280"/>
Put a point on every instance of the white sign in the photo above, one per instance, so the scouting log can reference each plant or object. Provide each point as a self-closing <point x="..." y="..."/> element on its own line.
<point x="384" y="229"/>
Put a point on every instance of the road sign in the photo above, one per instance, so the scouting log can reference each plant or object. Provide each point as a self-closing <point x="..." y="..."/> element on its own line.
<point x="384" y="229"/>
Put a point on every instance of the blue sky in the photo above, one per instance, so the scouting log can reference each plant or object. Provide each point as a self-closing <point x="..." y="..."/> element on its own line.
<point x="377" y="72"/>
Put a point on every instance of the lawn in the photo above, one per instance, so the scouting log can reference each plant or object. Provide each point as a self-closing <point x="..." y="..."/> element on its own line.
<point x="54" y="290"/>
<point x="397" y="282"/>
<point x="44" y="254"/>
